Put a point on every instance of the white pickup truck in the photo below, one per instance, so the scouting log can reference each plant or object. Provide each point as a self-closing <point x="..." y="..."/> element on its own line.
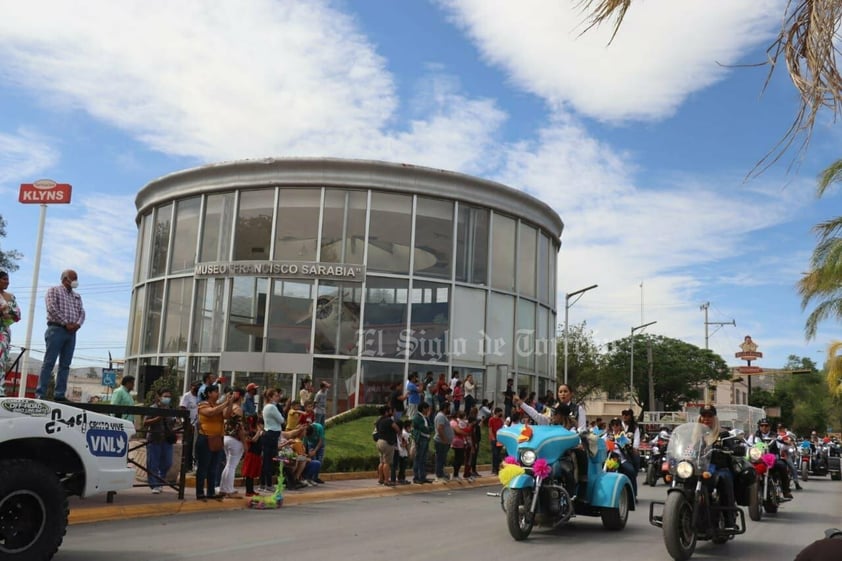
<point x="48" y="452"/>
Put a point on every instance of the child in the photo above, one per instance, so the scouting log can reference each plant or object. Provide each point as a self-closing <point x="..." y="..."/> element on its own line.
<point x="253" y="463"/>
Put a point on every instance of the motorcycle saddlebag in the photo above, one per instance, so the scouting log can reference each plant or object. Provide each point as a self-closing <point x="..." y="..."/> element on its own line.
<point x="742" y="482"/>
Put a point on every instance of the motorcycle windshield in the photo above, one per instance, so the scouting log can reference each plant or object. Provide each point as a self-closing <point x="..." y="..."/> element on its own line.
<point x="688" y="444"/>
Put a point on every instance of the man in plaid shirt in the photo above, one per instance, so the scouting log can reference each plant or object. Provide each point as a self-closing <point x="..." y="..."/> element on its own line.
<point x="65" y="315"/>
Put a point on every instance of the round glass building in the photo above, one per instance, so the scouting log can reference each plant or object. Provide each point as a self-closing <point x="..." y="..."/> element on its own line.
<point x="351" y="271"/>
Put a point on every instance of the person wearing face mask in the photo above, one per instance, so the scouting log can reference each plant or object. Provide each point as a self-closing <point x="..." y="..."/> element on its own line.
<point x="65" y="315"/>
<point x="160" y="438"/>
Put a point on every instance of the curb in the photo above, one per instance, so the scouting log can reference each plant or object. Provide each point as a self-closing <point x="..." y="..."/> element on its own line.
<point x="88" y="515"/>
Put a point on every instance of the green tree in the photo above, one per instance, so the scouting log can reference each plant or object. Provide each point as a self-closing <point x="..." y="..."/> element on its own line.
<point x="822" y="284"/>
<point x="806" y="42"/>
<point x="583" y="361"/>
<point x="9" y="258"/>
<point x="680" y="370"/>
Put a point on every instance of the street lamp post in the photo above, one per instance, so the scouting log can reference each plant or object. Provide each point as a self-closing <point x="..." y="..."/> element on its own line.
<point x="631" y="362"/>
<point x="567" y="305"/>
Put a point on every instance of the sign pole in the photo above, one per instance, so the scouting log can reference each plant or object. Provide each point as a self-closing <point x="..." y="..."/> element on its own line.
<point x="33" y="294"/>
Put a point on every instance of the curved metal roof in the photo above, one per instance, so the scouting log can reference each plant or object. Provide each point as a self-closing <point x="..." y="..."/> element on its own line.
<point x="359" y="174"/>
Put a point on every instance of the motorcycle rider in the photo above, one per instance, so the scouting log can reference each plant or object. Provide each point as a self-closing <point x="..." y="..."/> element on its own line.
<point x="633" y="433"/>
<point x="622" y="448"/>
<point x="764" y="434"/>
<point x="721" y="458"/>
<point x="788" y="439"/>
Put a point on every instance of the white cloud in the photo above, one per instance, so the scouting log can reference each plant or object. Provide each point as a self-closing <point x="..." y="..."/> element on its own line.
<point x="665" y="50"/>
<point x="23" y="155"/>
<point x="97" y="238"/>
<point x="621" y="230"/>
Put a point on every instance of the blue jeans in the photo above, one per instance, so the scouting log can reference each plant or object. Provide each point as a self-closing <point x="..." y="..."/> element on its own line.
<point x="158" y="462"/>
<point x="60" y="345"/>
<point x="419" y="465"/>
<point x="627" y="469"/>
<point x="314" y="467"/>
<point x="320" y="418"/>
<point x="207" y="463"/>
<point x="442" y="448"/>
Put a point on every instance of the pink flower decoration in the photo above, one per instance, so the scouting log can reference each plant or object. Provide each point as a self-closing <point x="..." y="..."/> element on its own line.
<point x="769" y="459"/>
<point x="510" y="460"/>
<point x="541" y="468"/>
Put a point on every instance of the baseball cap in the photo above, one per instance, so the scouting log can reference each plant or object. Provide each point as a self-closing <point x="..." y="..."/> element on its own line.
<point x="251" y="386"/>
<point x="707" y="410"/>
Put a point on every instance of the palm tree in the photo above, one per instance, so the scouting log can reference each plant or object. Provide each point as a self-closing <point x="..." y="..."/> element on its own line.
<point x="823" y="283"/>
<point x="806" y="44"/>
<point x="834" y="369"/>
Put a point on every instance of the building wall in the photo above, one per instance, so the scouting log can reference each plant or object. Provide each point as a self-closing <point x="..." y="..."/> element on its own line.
<point x="355" y="272"/>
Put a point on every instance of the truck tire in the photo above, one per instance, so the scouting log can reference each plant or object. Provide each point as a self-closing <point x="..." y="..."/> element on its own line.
<point x="33" y="511"/>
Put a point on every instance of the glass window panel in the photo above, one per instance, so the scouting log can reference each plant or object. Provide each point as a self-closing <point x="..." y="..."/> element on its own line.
<point x="160" y="240"/>
<point x="216" y="236"/>
<point x="248" y="314"/>
<point x="254" y="225"/>
<point x="298" y="224"/>
<point x="178" y="315"/>
<point x="389" y="233"/>
<point x="526" y="260"/>
<point x="145" y="247"/>
<point x="342" y="375"/>
<point x="290" y="317"/>
<point x="525" y="337"/>
<point x="472" y="245"/>
<point x="503" y="260"/>
<point x="543" y="343"/>
<point x="154" y="303"/>
<point x="430" y="322"/>
<point x="468" y="325"/>
<point x="385" y="317"/>
<point x="343" y="226"/>
<point x="433" y="237"/>
<point x="378" y="379"/>
<point x="208" y="315"/>
<point x="500" y="327"/>
<point x="186" y="233"/>
<point x="137" y="319"/>
<point x="201" y="364"/>
<point x="553" y="274"/>
<point x="543" y="266"/>
<point x="337" y="318"/>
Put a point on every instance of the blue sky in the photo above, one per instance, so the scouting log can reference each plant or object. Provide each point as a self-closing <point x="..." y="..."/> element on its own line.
<point x="642" y="147"/>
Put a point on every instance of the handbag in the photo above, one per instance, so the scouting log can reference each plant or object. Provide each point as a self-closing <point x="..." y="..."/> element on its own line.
<point x="215" y="443"/>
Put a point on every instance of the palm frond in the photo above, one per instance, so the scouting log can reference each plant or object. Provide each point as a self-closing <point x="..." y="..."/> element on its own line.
<point x="834" y="369"/>
<point x="604" y="10"/>
<point x="832" y="174"/>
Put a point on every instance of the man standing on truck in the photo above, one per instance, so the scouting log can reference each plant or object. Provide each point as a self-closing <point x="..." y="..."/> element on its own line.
<point x="65" y="315"/>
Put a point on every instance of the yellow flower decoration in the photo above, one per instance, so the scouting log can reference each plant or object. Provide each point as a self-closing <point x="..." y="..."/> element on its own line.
<point x="611" y="464"/>
<point x="509" y="472"/>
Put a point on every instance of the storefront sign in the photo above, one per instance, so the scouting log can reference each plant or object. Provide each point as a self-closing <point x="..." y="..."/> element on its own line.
<point x="281" y="269"/>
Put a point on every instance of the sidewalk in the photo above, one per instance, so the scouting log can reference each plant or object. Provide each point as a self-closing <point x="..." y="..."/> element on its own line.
<point x="139" y="502"/>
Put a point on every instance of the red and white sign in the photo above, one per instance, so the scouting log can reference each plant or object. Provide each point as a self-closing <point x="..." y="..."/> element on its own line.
<point x="44" y="192"/>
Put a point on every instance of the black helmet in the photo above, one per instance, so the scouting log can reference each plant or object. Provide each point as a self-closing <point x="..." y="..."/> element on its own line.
<point x="763" y="421"/>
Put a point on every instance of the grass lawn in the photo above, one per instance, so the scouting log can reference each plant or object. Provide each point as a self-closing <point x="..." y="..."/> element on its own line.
<point x="349" y="446"/>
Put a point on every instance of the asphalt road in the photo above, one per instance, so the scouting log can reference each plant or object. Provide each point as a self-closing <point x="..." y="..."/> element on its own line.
<point x="462" y="524"/>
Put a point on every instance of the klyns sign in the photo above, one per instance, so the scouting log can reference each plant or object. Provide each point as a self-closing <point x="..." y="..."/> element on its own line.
<point x="44" y="192"/>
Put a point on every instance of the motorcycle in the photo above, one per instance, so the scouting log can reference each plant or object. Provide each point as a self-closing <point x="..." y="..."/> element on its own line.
<point x="805" y="463"/>
<point x="692" y="510"/>
<point x="764" y="457"/>
<point x="657" y="467"/>
<point x="540" y="483"/>
<point x="834" y="460"/>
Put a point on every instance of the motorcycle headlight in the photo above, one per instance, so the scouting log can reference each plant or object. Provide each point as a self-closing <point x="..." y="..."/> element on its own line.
<point x="754" y="454"/>
<point x="527" y="457"/>
<point x="684" y="470"/>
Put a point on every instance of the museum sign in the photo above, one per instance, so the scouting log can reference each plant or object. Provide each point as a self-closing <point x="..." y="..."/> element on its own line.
<point x="282" y="269"/>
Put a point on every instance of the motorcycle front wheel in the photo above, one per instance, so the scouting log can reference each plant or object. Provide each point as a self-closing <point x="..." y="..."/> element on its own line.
<point x="755" y="512"/>
<point x="651" y="475"/>
<point x="518" y="517"/>
<point x="679" y="535"/>
<point x="805" y="470"/>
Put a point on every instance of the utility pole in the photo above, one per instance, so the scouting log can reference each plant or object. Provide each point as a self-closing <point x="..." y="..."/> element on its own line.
<point x="651" y="376"/>
<point x="704" y="307"/>
<point x="567" y="305"/>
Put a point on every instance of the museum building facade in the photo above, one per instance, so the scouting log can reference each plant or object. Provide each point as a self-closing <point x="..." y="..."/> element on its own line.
<point x="351" y="271"/>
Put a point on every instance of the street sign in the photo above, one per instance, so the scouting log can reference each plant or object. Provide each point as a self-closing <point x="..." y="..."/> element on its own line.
<point x="109" y="378"/>
<point x="44" y="192"/>
<point x="749" y="370"/>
